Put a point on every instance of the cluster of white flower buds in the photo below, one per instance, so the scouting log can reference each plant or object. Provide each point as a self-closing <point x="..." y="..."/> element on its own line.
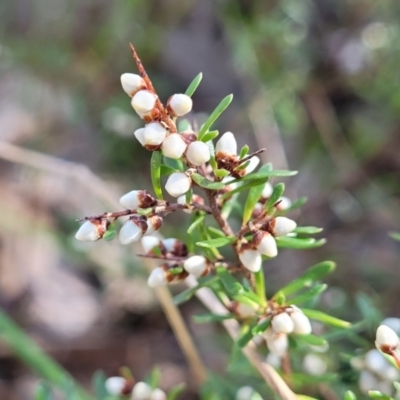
<point x="176" y="271"/>
<point x="290" y="320"/>
<point x="119" y="386"/>
<point x="263" y="242"/>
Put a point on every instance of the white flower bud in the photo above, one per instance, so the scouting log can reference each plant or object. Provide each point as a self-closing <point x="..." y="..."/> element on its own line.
<point x="251" y="259"/>
<point x="170" y="244"/>
<point x="284" y="204"/>
<point x="174" y="146"/>
<point x="115" y="385"/>
<point x="375" y="361"/>
<point x="246" y="310"/>
<point x="247" y="393"/>
<point x="282" y="323"/>
<point x="198" y="153"/>
<point x="226" y="144"/>
<point x="158" y="394"/>
<point x="281" y="226"/>
<point x="196" y="265"/>
<point x="149" y="242"/>
<point x="88" y="232"/>
<point x="141" y="391"/>
<point x="314" y="365"/>
<point x="143" y="102"/>
<point x="254" y="161"/>
<point x="386" y="338"/>
<point x="177" y="184"/>
<point x="367" y="382"/>
<point x="267" y="245"/>
<point x="154" y="224"/>
<point x="132" y="231"/>
<point x="175" y="247"/>
<point x="302" y="325"/>
<point x="267" y="191"/>
<point x="132" y="83"/>
<point x="180" y="104"/>
<point x="157" y="278"/>
<point x="273" y="360"/>
<point x="139" y="134"/>
<point x="182" y="200"/>
<point x="137" y="199"/>
<point x="278" y="344"/>
<point x="154" y="134"/>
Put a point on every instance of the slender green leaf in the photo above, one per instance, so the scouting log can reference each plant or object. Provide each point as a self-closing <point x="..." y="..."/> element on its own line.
<point x="184" y="125"/>
<point x="349" y="395"/>
<point x="176" y="391"/>
<point x="199" y="220"/>
<point x="246" y="335"/>
<point x="308" y="230"/>
<point x="194" y="84"/>
<point x="276" y="195"/>
<point x="253" y="197"/>
<point x="260" y="284"/>
<point x="262" y="326"/>
<point x="222" y="106"/>
<point x="167" y="170"/>
<point x="189" y="293"/>
<point x="325" y="318"/>
<point x="231" y="285"/>
<point x="176" y="165"/>
<point x="313" y="274"/>
<point x="244" y="151"/>
<point x="244" y="186"/>
<point x="396" y="386"/>
<point x="205" y="183"/>
<point x="311" y="339"/>
<point x="189" y="196"/>
<point x="267" y="174"/>
<point x="375" y="394"/>
<point x="215" y="231"/>
<point x="98" y="383"/>
<point x="217" y="242"/>
<point x="314" y="291"/>
<point x="155" y="378"/>
<point x="110" y="233"/>
<point x="221" y="173"/>
<point x="250" y="298"/>
<point x="395" y="235"/>
<point x="43" y="392"/>
<point x="288" y="242"/>
<point x="207" y="318"/>
<point x="156" y="173"/>
<point x="209" y="136"/>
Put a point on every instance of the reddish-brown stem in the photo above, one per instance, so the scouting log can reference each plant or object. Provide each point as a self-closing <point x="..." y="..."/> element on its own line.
<point x="247" y="158"/>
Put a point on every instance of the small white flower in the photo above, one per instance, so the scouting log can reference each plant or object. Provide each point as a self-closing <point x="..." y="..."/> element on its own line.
<point x="302" y="325"/>
<point x="130" y="232"/>
<point x="267" y="246"/>
<point x="114" y="385"/>
<point x="87" y="232"/>
<point x="198" y="153"/>
<point x="141" y="391"/>
<point x="137" y="199"/>
<point x="314" y="365"/>
<point x="386" y="337"/>
<point x="158" y="394"/>
<point x="278" y="344"/>
<point x="132" y="83"/>
<point x="251" y="259"/>
<point x="267" y="191"/>
<point x="195" y="265"/>
<point x="282" y="323"/>
<point x="226" y="144"/>
<point x="139" y="134"/>
<point x="180" y="104"/>
<point x="285" y="203"/>
<point x="143" y="102"/>
<point x="154" y="134"/>
<point x="375" y="361"/>
<point x="149" y="242"/>
<point x="157" y="277"/>
<point x="254" y="161"/>
<point x="177" y="184"/>
<point x="281" y="226"/>
<point x="174" y="146"/>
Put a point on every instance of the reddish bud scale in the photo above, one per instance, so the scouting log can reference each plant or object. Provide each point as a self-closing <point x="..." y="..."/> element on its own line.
<point x="189" y="137"/>
<point x="154" y="223"/>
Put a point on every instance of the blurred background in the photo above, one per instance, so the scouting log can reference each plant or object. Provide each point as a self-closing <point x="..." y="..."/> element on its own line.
<point x="314" y="81"/>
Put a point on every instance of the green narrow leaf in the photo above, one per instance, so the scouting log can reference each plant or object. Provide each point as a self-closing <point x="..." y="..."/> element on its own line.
<point x="395" y="235"/>
<point x="176" y="391"/>
<point x="276" y="195"/>
<point x="195" y="223"/>
<point x="260" y="285"/>
<point x="231" y="285"/>
<point x="313" y="274"/>
<point x="176" y="165"/>
<point x="43" y="392"/>
<point x="184" y="125"/>
<point x="244" y="186"/>
<point x="288" y="242"/>
<point x="205" y="183"/>
<point x="217" y="242"/>
<point x="155" y="378"/>
<point x="156" y="173"/>
<point x="253" y="197"/>
<point x="167" y="170"/>
<point x="308" y="230"/>
<point x="221" y="173"/>
<point x="246" y="335"/>
<point x="266" y="174"/>
<point x="194" y="84"/>
<point x="98" y="383"/>
<point x="189" y="293"/>
<point x="110" y="233"/>
<point x="209" y="136"/>
<point x="325" y="318"/>
<point x="314" y="291"/>
<point x="207" y="318"/>
<point x="375" y="394"/>
<point x="261" y="327"/>
<point x="222" y="106"/>
<point x="349" y="395"/>
<point x="189" y="196"/>
<point x="311" y="339"/>
<point x="215" y="231"/>
<point x="244" y="151"/>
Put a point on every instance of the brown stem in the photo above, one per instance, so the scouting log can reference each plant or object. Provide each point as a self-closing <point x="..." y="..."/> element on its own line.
<point x="216" y="212"/>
